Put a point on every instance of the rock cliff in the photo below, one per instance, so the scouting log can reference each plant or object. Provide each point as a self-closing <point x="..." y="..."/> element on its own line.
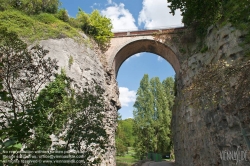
<point x="85" y="64"/>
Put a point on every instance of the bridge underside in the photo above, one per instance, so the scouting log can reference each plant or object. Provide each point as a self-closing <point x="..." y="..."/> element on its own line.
<point x="145" y="45"/>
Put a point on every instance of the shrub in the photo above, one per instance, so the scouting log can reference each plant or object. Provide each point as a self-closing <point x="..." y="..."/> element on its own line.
<point x="62" y="14"/>
<point x="97" y="26"/>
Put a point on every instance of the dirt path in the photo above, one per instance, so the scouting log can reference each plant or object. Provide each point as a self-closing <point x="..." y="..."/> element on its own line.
<point x="163" y="163"/>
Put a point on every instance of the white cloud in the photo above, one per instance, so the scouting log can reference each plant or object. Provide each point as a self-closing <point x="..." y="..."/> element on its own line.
<point x="155" y="14"/>
<point x="109" y="1"/>
<point x="126" y="96"/>
<point x="95" y="4"/>
<point x="137" y="55"/>
<point x="120" y="17"/>
<point x="130" y="118"/>
<point x="126" y="60"/>
<point x="159" y="58"/>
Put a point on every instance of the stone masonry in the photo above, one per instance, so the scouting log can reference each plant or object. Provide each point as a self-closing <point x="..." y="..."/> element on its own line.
<point x="211" y="116"/>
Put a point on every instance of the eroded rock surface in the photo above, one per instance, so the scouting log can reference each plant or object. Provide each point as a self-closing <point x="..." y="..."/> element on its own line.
<point x="82" y="63"/>
<point x="211" y="113"/>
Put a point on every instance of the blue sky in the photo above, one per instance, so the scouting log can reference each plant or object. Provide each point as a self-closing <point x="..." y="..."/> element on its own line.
<point x="128" y="15"/>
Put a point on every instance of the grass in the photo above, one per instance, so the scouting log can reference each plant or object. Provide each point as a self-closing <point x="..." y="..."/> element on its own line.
<point x="126" y="160"/>
<point x="38" y="27"/>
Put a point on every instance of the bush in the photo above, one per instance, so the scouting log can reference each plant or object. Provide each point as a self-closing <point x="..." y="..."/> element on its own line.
<point x="97" y="26"/>
<point x="74" y="23"/>
<point x="62" y="14"/>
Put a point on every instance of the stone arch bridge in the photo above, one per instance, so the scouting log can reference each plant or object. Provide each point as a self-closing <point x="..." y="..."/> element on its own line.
<point x="125" y="44"/>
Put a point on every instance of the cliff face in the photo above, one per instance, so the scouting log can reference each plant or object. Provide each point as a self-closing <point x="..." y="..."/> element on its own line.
<point x="211" y="117"/>
<point x="82" y="63"/>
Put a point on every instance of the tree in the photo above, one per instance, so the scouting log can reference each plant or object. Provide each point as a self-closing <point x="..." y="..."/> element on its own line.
<point x="162" y="117"/>
<point x="152" y="116"/>
<point x="120" y="144"/>
<point x="143" y="121"/>
<point x="127" y="127"/>
<point x="124" y="135"/>
<point x="196" y="13"/>
<point x="75" y="118"/>
<point x="169" y="88"/>
<point x="31" y="6"/>
<point x="23" y="73"/>
<point x="96" y="25"/>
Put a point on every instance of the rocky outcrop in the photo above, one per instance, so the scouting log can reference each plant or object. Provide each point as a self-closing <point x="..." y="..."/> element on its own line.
<point x="85" y="64"/>
<point x="211" y="118"/>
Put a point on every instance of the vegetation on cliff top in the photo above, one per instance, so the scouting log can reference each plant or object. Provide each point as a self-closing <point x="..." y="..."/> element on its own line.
<point x="37" y="20"/>
<point x="201" y="14"/>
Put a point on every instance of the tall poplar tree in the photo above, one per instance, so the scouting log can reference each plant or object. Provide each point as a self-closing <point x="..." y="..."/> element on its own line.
<point x="152" y="115"/>
<point x="162" y="117"/>
<point x="143" y="121"/>
<point x="169" y="88"/>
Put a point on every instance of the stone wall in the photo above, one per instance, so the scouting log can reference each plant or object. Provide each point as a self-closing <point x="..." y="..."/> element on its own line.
<point x="88" y="66"/>
<point x="211" y="115"/>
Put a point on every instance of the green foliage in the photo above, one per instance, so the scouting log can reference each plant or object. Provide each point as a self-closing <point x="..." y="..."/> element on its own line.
<point x="82" y="113"/>
<point x="120" y="145"/>
<point x="152" y="116"/>
<point x="127" y="159"/>
<point x="4" y="5"/>
<point x="71" y="61"/>
<point x="96" y="25"/>
<point x="42" y="26"/>
<point x="41" y="19"/>
<point x="201" y="14"/>
<point x="29" y="117"/>
<point x="22" y="74"/>
<point x="121" y="149"/>
<point x="124" y="136"/>
<point x="238" y="13"/>
<point x="46" y="18"/>
<point x="31" y="6"/>
<point x="127" y="127"/>
<point x="62" y="14"/>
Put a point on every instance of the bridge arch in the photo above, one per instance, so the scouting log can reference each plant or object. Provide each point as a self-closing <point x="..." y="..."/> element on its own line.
<point x="134" y="45"/>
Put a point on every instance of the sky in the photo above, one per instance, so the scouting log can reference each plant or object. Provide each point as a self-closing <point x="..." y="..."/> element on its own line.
<point x="129" y="15"/>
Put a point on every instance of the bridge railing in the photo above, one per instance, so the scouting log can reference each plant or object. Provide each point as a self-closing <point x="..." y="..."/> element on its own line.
<point x="147" y="32"/>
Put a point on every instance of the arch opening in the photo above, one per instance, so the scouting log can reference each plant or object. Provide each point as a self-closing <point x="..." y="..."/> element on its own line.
<point x="145" y="45"/>
<point x="132" y="71"/>
<point x="129" y="77"/>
